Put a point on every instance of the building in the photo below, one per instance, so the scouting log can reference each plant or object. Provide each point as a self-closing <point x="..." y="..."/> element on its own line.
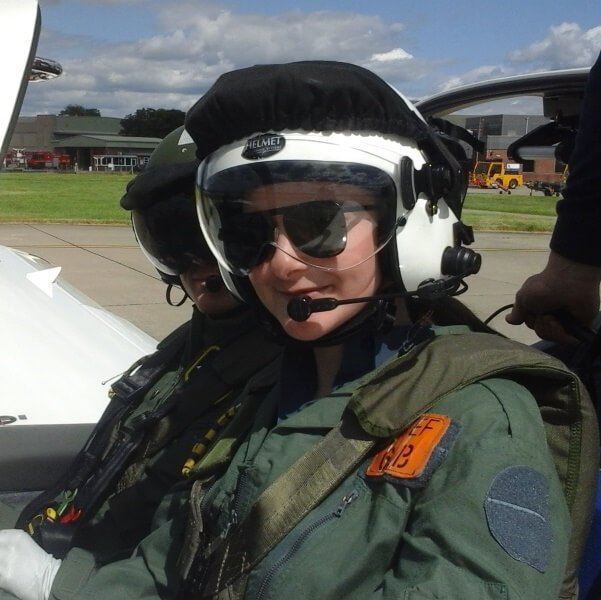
<point x="94" y="142"/>
<point x="90" y="142"/>
<point x="499" y="131"/>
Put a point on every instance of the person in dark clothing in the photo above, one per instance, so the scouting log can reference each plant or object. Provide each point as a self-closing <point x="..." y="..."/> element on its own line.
<point x="571" y="278"/>
<point x="165" y="412"/>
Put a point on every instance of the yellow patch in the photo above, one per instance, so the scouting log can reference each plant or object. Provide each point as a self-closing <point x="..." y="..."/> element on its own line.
<point x="408" y="455"/>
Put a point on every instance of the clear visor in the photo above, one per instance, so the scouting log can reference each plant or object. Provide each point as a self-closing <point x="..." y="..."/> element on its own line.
<point x="327" y="215"/>
<point x="171" y="239"/>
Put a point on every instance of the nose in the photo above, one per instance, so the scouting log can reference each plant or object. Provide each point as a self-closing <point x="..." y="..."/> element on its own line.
<point x="284" y="259"/>
<point x="201" y="269"/>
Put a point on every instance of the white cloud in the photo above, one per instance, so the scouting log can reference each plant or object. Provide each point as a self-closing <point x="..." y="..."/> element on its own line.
<point x="566" y="46"/>
<point x="392" y="55"/>
<point x="482" y="73"/>
<point x="243" y="39"/>
<point x="196" y="42"/>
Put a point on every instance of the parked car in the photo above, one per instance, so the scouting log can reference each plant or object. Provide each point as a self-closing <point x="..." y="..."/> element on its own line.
<point x="548" y="188"/>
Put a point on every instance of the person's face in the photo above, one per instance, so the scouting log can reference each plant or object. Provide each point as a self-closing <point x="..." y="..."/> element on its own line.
<point x="283" y="276"/>
<point x="194" y="283"/>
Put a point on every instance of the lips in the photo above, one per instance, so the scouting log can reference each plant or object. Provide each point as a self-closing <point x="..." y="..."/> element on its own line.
<point x="303" y="292"/>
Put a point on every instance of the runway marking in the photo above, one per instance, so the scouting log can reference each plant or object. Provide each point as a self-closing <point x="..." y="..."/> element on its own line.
<point x="89" y="248"/>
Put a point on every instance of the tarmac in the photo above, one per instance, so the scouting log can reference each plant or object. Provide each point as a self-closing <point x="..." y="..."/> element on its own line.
<point x="105" y="263"/>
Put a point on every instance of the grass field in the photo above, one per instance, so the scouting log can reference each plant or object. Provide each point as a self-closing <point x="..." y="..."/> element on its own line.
<point x="94" y="198"/>
<point x="62" y="197"/>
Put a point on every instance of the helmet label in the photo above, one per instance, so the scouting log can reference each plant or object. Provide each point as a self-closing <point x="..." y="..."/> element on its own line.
<point x="263" y="146"/>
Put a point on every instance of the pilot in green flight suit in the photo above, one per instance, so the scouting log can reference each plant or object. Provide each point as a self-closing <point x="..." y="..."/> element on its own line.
<point x="394" y="458"/>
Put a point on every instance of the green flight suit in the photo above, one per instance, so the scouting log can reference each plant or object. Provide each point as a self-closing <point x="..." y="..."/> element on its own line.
<point x="486" y="518"/>
<point x="387" y="538"/>
<point x="151" y="488"/>
<point x="125" y="518"/>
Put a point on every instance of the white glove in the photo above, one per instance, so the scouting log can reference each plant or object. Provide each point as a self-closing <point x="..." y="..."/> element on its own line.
<point x="26" y="570"/>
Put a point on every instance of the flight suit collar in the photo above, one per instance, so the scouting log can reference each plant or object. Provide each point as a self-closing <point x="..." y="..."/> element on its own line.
<point x="360" y="357"/>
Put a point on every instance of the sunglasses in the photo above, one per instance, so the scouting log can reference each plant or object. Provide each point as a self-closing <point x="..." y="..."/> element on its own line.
<point x="180" y="263"/>
<point x="177" y="252"/>
<point x="317" y="228"/>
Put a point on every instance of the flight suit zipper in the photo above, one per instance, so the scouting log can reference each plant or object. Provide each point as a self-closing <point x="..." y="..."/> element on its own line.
<point x="304" y="535"/>
<point x="238" y="499"/>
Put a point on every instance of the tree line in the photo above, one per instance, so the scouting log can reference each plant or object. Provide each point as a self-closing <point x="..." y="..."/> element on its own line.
<point x="145" y="122"/>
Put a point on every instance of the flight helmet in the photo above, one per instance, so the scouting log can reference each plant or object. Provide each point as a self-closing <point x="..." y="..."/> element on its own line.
<point x="163" y="212"/>
<point x="330" y="122"/>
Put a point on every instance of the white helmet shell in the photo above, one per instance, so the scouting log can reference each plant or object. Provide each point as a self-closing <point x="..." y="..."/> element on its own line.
<point x="422" y="234"/>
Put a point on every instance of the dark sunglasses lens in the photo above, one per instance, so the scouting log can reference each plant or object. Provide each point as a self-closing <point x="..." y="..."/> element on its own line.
<point x="179" y="251"/>
<point x="316" y="228"/>
<point x="183" y="262"/>
<point x="179" y="264"/>
<point x="245" y="237"/>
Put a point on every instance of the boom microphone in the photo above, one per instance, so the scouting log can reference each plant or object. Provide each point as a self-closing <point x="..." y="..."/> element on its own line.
<point x="457" y="263"/>
<point x="213" y="283"/>
<point x="302" y="307"/>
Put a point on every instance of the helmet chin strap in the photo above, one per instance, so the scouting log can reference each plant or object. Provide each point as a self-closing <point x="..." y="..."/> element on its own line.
<point x="213" y="285"/>
<point x="170" y="300"/>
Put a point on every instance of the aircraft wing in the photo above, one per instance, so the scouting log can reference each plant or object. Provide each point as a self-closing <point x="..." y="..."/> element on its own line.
<point x="60" y="351"/>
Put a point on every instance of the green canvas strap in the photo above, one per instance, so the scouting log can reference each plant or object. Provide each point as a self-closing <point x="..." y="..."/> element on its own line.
<point x="204" y="473"/>
<point x="282" y="505"/>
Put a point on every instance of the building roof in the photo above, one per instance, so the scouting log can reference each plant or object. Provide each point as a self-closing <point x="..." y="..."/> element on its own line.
<point x="67" y="125"/>
<point x="113" y="141"/>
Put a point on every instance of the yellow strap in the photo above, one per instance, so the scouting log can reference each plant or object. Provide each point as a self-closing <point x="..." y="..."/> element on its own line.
<point x="199" y="360"/>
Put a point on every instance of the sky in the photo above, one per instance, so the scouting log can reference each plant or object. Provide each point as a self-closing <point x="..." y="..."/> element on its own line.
<point x="122" y="55"/>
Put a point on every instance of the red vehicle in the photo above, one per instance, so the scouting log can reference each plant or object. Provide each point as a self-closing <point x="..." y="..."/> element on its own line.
<point x="14" y="160"/>
<point x="48" y="160"/>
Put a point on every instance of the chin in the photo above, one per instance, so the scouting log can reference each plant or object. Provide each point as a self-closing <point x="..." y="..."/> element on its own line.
<point x="309" y="330"/>
<point x="209" y="305"/>
<point x="319" y="323"/>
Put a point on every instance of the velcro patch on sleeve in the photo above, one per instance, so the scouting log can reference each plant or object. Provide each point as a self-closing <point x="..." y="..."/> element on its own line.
<point x="408" y="456"/>
<point x="518" y="512"/>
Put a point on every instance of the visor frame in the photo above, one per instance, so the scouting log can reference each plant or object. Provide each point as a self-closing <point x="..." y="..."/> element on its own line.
<point x="364" y="149"/>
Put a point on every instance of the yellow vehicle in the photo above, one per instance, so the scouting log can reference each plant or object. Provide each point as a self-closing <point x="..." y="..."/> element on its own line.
<point x="489" y="174"/>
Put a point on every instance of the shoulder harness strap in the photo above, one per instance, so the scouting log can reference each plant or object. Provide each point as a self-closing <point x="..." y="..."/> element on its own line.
<point x="303" y="486"/>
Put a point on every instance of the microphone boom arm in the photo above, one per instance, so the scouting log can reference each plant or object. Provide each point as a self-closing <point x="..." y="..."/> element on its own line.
<point x="302" y="307"/>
